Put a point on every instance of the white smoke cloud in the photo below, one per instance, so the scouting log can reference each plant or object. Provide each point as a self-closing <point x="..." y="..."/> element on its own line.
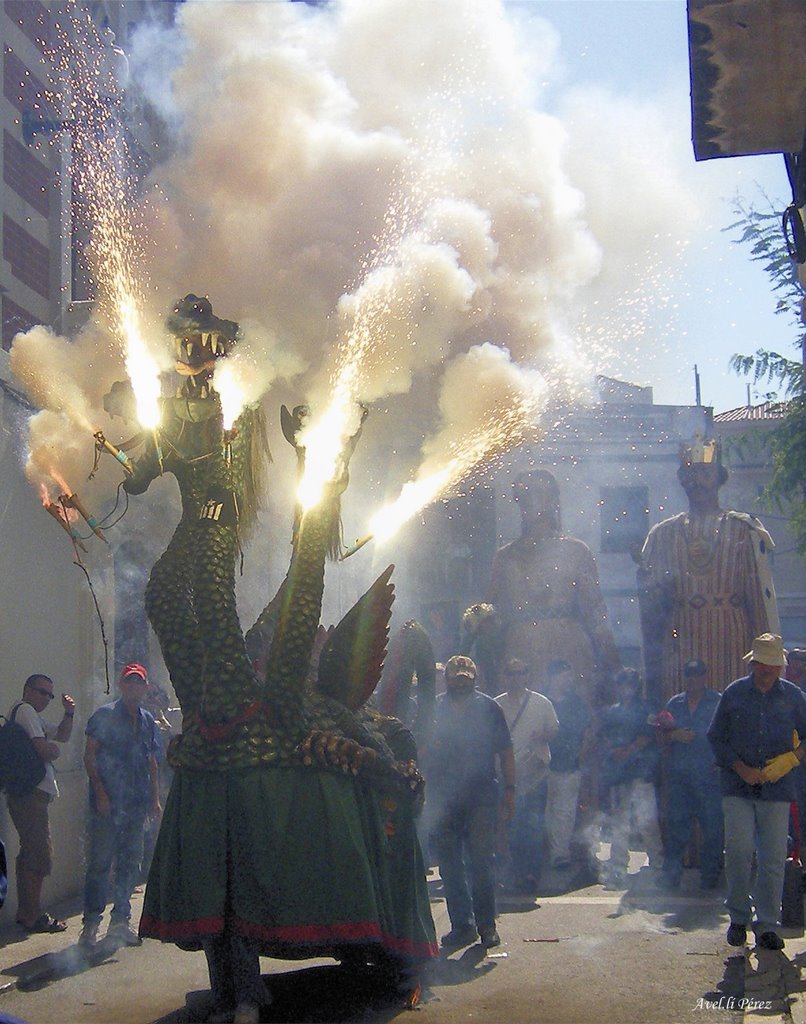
<point x="65" y="376"/>
<point x="386" y="166"/>
<point x="497" y="384"/>
<point x="321" y="164"/>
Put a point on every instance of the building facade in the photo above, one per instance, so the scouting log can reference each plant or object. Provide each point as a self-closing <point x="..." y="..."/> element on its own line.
<point x="56" y="616"/>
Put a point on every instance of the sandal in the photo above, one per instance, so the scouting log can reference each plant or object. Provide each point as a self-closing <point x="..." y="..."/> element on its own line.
<point x="44" y="925"/>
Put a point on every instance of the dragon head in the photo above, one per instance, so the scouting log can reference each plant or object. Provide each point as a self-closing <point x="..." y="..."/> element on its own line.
<point x="201" y="338"/>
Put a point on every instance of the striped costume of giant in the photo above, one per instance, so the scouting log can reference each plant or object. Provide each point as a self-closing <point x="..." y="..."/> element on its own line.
<point x="706" y="589"/>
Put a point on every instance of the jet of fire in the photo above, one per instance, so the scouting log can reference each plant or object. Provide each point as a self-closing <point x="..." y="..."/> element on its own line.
<point x="491" y="441"/>
<point x="489" y="405"/>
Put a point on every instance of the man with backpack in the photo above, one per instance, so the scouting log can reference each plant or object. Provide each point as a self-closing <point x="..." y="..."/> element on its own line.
<point x="29" y="808"/>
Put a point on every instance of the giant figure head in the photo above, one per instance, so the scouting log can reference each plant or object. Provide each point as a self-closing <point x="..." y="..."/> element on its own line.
<point x="538" y="496"/>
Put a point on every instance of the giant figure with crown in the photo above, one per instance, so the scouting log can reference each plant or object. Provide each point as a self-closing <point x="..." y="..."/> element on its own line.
<point x="705" y="581"/>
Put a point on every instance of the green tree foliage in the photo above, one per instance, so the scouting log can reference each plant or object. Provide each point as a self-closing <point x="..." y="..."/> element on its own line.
<point x="761" y="230"/>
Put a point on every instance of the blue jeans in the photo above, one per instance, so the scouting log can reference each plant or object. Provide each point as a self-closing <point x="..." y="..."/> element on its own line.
<point x="688" y="797"/>
<point x="467" y="833"/>
<point x="116" y="840"/>
<point x="760" y="827"/>
<point x="526" y="834"/>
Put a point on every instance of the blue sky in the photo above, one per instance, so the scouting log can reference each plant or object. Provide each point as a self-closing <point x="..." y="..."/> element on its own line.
<point x="719" y="302"/>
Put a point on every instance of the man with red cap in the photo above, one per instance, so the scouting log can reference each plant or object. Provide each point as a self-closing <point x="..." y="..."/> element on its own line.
<point x="121" y="762"/>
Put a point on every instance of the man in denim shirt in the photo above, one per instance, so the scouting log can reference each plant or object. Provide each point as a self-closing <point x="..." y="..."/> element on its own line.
<point x="692" y="780"/>
<point x="752" y="735"/>
<point x="628" y="770"/>
<point x="121" y="762"/>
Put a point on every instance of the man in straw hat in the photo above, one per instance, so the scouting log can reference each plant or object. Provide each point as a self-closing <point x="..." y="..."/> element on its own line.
<point x="755" y="734"/>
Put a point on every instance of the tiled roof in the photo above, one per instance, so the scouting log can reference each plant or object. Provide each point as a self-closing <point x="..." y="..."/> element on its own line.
<point x="745" y="413"/>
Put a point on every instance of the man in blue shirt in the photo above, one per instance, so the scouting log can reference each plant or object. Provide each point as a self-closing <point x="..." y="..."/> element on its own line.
<point x="628" y="772"/>
<point x="565" y="776"/>
<point x="752" y="735"/>
<point x="692" y="780"/>
<point x="121" y="762"/>
<point x="470" y="735"/>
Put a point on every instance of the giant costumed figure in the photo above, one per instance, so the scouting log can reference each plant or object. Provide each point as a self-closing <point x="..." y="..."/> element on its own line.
<point x="289" y="828"/>
<point x="704" y="581"/>
<point x="545" y="589"/>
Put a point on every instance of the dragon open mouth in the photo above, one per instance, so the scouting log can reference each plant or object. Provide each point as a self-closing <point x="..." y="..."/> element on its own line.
<point x="201" y="339"/>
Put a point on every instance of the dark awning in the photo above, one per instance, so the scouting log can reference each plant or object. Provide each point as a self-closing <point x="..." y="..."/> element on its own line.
<point x="747" y="60"/>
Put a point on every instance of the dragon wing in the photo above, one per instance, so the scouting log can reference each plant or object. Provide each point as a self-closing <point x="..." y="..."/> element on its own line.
<point x="351" y="661"/>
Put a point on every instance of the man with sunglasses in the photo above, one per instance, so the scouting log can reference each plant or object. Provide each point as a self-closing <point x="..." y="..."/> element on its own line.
<point x="29" y="811"/>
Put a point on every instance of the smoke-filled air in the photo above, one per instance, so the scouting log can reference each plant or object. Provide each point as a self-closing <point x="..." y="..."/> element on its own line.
<point x="371" y="189"/>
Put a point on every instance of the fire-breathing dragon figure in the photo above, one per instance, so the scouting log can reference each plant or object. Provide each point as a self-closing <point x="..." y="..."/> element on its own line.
<point x="290" y="818"/>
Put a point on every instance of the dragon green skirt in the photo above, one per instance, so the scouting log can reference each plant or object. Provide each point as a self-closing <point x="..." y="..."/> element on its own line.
<point x="306" y="861"/>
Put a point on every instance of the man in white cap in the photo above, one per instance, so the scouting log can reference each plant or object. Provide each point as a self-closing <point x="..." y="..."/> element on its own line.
<point x="470" y="739"/>
<point x="755" y="734"/>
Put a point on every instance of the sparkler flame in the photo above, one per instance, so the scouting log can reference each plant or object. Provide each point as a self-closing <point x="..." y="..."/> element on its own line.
<point x="230" y="390"/>
<point x="324" y="442"/>
<point x="364" y="344"/>
<point x="141" y="367"/>
<point x="501" y="428"/>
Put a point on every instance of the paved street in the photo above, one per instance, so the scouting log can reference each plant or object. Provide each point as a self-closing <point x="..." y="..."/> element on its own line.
<point x="584" y="956"/>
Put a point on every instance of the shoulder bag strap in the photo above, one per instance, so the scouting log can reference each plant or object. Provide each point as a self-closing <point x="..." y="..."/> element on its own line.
<point x="520" y="711"/>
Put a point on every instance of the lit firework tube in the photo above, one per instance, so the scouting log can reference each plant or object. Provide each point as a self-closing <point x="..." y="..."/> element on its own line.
<point x="158" y="450"/>
<point x="118" y="453"/>
<point x="72" y="501"/>
<point x="357" y="546"/>
<point x="56" y="512"/>
<point x="227" y="446"/>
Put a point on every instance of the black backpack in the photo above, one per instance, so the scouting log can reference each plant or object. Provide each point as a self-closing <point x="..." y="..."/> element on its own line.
<point x="21" y="767"/>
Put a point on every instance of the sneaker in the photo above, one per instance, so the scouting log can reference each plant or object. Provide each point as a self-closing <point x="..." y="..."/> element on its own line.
<point x="88" y="938"/>
<point x="124" y="934"/>
<point x="490" y="938"/>
<point x="770" y="940"/>
<point x="465" y="935"/>
<point x="737" y="934"/>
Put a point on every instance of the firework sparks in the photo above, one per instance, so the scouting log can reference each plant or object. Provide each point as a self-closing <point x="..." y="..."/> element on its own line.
<point x="507" y="413"/>
<point x="363" y="352"/>
<point x="463" y="460"/>
<point x="86" y="70"/>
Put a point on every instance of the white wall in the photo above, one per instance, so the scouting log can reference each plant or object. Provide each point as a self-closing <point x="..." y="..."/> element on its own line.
<point x="48" y="624"/>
